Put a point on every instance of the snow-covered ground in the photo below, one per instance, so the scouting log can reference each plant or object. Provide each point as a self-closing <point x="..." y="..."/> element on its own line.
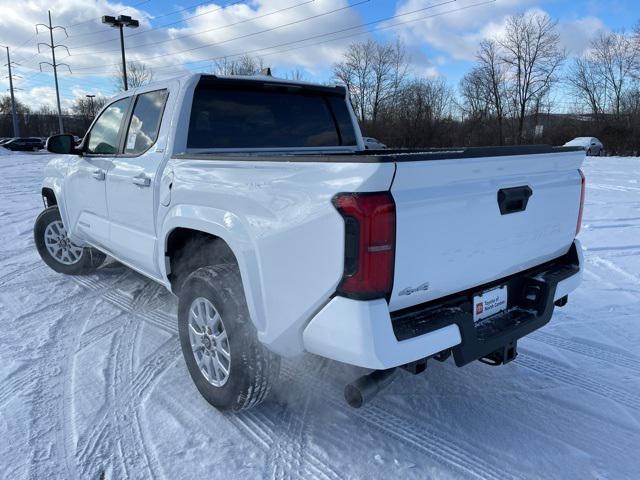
<point x="92" y="382"/>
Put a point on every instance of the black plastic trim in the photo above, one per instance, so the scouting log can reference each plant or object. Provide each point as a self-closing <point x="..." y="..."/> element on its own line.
<point x="378" y="156"/>
<point x="522" y="317"/>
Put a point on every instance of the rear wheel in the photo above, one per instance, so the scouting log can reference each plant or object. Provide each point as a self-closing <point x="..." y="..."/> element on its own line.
<point x="231" y="369"/>
<point x="58" y="251"/>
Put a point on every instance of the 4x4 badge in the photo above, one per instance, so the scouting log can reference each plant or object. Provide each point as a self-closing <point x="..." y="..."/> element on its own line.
<point x="410" y="290"/>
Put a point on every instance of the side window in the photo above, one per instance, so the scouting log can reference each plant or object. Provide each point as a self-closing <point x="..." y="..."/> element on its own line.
<point x="145" y="122"/>
<point x="103" y="138"/>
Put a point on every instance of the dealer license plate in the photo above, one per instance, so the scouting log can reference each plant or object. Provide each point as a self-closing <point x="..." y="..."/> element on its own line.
<point x="489" y="303"/>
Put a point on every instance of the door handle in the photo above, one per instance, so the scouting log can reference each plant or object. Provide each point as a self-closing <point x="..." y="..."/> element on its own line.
<point x="142" y="181"/>
<point x="98" y="174"/>
<point x="512" y="200"/>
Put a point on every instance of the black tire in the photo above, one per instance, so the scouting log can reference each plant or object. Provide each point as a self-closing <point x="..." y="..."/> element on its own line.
<point x="89" y="260"/>
<point x="253" y="369"/>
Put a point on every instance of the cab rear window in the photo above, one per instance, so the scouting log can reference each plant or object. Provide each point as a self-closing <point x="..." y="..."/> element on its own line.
<point x="259" y="116"/>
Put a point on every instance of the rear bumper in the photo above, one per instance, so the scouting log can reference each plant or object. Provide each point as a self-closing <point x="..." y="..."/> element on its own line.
<point x="366" y="334"/>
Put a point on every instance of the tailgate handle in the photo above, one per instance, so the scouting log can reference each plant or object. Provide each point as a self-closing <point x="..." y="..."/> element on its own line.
<point x="512" y="200"/>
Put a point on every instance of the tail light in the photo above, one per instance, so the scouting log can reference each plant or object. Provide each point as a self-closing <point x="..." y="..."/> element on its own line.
<point x="582" y="192"/>
<point x="369" y="253"/>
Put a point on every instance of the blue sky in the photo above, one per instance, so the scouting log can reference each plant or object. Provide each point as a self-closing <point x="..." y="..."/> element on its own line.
<point x="174" y="32"/>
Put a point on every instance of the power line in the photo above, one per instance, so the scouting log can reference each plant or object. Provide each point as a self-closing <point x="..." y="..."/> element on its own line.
<point x="313" y="37"/>
<point x="100" y="18"/>
<point x="53" y="63"/>
<point x="383" y="27"/>
<point x="280" y="10"/>
<point x="295" y="22"/>
<point x="157" y="27"/>
<point x="379" y="28"/>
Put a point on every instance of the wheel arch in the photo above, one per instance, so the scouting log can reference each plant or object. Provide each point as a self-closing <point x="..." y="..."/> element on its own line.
<point x="52" y="194"/>
<point x="49" y="197"/>
<point x="186" y="224"/>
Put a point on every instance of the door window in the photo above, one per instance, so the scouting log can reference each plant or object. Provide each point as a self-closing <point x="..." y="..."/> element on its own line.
<point x="103" y="138"/>
<point x="145" y="122"/>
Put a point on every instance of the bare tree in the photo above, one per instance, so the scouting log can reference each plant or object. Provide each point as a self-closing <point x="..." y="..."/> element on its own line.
<point x="245" y="65"/>
<point x="532" y="54"/>
<point x="476" y="101"/>
<point x="373" y="73"/>
<point x="355" y="71"/>
<point x="5" y="105"/>
<point x="138" y="74"/>
<point x="296" y="74"/>
<point x="87" y="108"/>
<point x="587" y="84"/>
<point x="494" y="75"/>
<point x="616" y="58"/>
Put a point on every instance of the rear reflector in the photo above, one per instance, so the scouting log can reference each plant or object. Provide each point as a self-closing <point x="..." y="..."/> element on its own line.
<point x="369" y="253"/>
<point x="582" y="192"/>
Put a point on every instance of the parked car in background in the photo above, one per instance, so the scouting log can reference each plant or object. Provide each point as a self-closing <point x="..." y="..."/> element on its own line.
<point x="24" y="144"/>
<point x="371" y="143"/>
<point x="5" y="140"/>
<point x="592" y="145"/>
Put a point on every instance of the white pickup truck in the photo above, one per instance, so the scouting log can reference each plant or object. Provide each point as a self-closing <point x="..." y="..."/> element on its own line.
<point x="254" y="201"/>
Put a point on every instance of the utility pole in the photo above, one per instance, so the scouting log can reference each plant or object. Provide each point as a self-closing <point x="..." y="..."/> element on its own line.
<point x="14" y="115"/>
<point x="55" y="65"/>
<point x="121" y="22"/>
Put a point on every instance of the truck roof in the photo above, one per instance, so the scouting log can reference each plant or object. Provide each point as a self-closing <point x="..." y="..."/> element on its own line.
<point x="195" y="77"/>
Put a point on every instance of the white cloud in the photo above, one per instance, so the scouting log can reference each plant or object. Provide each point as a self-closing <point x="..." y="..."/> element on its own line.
<point x="576" y="35"/>
<point x="212" y="31"/>
<point x="458" y="34"/>
<point x="207" y="32"/>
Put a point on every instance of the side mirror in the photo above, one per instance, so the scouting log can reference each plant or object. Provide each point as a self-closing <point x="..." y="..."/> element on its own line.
<point x="63" y="144"/>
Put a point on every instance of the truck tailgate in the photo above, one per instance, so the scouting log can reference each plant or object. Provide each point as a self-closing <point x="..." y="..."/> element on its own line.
<point x="451" y="235"/>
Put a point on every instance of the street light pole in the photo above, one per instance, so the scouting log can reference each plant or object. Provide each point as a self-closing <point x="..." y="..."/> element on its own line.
<point x="91" y="97"/>
<point x="120" y="22"/>
<point x="124" y="60"/>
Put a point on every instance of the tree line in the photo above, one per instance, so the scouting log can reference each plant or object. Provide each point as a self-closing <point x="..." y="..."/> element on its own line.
<point x="521" y="89"/>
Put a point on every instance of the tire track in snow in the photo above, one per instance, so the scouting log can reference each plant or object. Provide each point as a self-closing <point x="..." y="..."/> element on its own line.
<point x="284" y="447"/>
<point x="282" y="435"/>
<point x="447" y="451"/>
<point x="18" y="272"/>
<point x="121" y="419"/>
<point x="573" y="377"/>
<point x="16" y="383"/>
<point x="589" y="349"/>
<point x="603" y="262"/>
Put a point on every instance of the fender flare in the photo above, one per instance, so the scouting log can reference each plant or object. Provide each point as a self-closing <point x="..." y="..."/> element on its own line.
<point x="55" y="185"/>
<point x="231" y="229"/>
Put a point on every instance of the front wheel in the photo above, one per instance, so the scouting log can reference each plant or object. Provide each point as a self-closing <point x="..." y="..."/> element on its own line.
<point x="230" y="367"/>
<point x="58" y="251"/>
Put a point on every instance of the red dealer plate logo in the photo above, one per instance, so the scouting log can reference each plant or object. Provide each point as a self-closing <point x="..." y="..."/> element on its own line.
<point x="490" y="302"/>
